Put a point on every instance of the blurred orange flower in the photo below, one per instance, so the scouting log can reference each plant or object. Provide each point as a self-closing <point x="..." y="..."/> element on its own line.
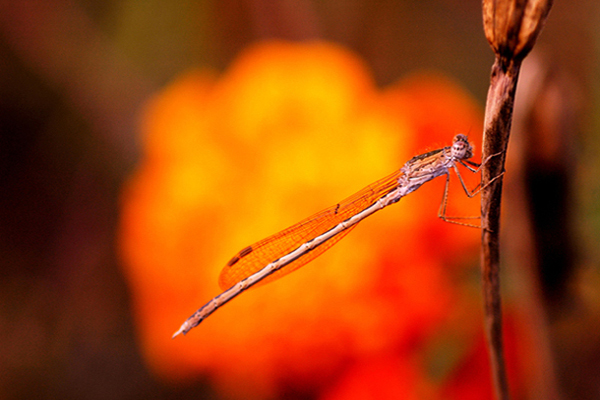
<point x="288" y="130"/>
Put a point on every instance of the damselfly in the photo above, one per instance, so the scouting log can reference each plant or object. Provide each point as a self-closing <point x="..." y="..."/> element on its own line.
<point x="295" y="246"/>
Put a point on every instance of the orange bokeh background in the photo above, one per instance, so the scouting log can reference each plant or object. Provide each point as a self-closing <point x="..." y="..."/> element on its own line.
<point x="287" y="130"/>
<point x="145" y="143"/>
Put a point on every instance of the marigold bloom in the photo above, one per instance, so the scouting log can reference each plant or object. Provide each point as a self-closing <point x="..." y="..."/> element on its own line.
<point x="288" y="130"/>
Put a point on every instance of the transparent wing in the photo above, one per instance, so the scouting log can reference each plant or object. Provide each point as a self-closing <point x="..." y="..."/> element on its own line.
<point x="253" y="258"/>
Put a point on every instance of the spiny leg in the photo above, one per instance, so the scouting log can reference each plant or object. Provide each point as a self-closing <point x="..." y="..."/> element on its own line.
<point x="442" y="210"/>
<point x="469" y="165"/>
<point x="470" y="193"/>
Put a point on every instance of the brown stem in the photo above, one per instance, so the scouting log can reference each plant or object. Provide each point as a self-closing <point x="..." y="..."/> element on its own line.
<point x="498" y="118"/>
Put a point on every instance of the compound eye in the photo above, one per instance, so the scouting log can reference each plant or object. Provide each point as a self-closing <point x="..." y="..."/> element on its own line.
<point x="459" y="147"/>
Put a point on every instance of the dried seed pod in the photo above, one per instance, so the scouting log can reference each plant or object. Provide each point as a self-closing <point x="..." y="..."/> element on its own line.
<point x="512" y="26"/>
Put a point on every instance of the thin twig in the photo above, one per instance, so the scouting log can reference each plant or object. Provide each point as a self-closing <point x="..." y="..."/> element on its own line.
<point x="511" y="27"/>
<point x="498" y="119"/>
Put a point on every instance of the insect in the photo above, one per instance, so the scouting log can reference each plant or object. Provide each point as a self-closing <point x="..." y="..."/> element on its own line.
<point x="288" y="250"/>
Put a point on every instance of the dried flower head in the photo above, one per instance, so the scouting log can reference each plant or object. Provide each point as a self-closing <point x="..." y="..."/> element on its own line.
<point x="512" y="26"/>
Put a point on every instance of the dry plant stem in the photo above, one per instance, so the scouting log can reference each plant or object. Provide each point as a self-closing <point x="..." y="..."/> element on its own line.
<point x="498" y="117"/>
<point x="511" y="27"/>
